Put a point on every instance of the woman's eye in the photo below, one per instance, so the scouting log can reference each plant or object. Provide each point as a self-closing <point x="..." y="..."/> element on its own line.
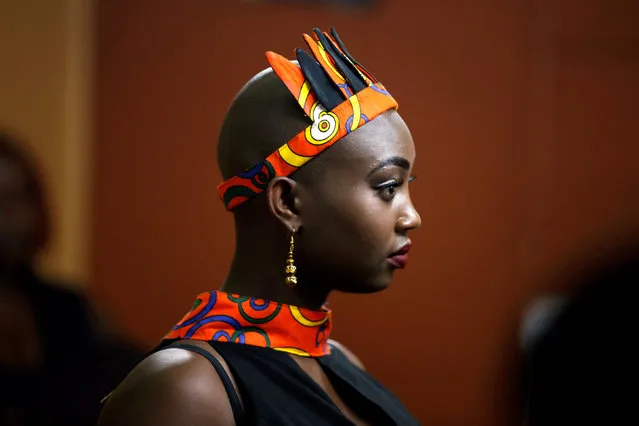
<point x="388" y="189"/>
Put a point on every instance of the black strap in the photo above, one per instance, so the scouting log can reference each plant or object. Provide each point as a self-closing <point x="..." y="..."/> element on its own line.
<point x="234" y="399"/>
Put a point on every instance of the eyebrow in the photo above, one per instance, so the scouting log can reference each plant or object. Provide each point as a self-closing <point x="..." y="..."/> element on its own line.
<point x="391" y="161"/>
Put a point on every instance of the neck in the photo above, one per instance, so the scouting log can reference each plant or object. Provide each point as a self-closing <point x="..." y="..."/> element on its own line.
<point x="259" y="261"/>
<point x="251" y="277"/>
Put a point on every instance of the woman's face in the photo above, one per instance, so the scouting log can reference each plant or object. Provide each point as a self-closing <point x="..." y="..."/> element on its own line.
<point x="356" y="208"/>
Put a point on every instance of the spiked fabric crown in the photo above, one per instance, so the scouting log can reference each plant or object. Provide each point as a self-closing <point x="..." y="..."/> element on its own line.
<point x="335" y="91"/>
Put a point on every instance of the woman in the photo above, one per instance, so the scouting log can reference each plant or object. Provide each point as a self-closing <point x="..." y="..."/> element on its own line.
<point x="311" y="216"/>
<point x="52" y="347"/>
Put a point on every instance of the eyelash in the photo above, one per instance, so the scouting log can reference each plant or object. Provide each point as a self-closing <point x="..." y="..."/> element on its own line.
<point x="386" y="187"/>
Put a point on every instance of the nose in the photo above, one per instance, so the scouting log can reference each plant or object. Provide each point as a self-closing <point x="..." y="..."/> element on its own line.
<point x="409" y="218"/>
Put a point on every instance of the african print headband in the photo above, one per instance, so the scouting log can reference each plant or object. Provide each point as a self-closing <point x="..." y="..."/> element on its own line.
<point x="335" y="92"/>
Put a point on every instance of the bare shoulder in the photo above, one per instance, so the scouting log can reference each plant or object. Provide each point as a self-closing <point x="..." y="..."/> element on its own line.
<point x="347" y="353"/>
<point x="170" y="387"/>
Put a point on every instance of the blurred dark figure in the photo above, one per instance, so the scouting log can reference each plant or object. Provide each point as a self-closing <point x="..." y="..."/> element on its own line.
<point x="56" y="362"/>
<point x="581" y="356"/>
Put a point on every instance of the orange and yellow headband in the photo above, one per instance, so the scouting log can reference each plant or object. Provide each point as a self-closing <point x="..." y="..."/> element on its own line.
<point x="335" y="92"/>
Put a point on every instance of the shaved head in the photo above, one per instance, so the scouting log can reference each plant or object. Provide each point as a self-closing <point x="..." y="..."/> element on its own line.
<point x="263" y="116"/>
<point x="345" y="212"/>
<point x="349" y="207"/>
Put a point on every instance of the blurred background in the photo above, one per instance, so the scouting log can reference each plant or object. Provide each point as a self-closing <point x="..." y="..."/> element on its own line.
<point x="523" y="115"/>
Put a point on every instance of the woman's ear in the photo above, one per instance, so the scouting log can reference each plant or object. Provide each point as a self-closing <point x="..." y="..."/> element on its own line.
<point x="283" y="198"/>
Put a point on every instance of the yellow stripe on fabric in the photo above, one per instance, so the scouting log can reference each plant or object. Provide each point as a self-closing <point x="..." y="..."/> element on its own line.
<point x="292" y="158"/>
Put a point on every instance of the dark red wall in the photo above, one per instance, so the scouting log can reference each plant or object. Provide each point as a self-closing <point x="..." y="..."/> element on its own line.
<point x="523" y="117"/>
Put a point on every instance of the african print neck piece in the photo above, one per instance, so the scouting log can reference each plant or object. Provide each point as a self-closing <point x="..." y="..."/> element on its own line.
<point x="335" y="92"/>
<point x="223" y="317"/>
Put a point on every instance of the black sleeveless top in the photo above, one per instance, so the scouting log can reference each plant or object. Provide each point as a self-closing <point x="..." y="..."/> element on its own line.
<point x="276" y="391"/>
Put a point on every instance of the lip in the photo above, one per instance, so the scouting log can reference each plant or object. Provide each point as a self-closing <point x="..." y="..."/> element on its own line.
<point x="399" y="258"/>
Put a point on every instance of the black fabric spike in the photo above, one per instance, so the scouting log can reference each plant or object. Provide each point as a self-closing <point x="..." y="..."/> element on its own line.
<point x="353" y="60"/>
<point x="323" y="87"/>
<point x="348" y="70"/>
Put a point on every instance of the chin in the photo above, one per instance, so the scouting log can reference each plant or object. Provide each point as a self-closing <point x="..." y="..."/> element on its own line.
<point x="372" y="285"/>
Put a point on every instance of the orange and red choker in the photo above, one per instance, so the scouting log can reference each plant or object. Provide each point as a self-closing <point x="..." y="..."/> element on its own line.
<point x="217" y="316"/>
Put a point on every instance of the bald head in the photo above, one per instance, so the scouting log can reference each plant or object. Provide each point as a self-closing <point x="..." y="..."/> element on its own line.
<point x="262" y="117"/>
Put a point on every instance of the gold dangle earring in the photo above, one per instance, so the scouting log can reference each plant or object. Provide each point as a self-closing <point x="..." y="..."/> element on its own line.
<point x="291" y="279"/>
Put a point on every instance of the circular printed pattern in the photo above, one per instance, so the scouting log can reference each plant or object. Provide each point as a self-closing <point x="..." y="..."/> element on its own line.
<point x="299" y="317"/>
<point x="221" y="336"/>
<point x="349" y="123"/>
<point x="325" y="125"/>
<point x="240" y="335"/>
<point x="214" y="318"/>
<point x="260" y="175"/>
<point x="206" y="305"/>
<point x="261" y="315"/>
<point x="224" y="317"/>
<point x="258" y="304"/>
